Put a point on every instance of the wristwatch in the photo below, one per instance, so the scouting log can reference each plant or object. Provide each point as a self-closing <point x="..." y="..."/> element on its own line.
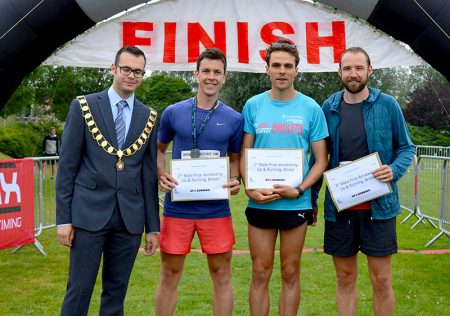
<point x="300" y="192"/>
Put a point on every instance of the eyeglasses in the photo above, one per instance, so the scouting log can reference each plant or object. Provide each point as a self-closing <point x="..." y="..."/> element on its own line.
<point x="137" y="73"/>
<point x="280" y="45"/>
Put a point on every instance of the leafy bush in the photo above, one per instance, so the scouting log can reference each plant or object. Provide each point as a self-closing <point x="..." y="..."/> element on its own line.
<point x="427" y="136"/>
<point x="24" y="139"/>
<point x="13" y="143"/>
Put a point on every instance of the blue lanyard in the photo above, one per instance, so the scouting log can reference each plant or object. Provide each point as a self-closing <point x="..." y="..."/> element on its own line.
<point x="196" y="134"/>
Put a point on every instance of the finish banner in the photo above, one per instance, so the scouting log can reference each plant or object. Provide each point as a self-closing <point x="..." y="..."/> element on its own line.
<point x="173" y="33"/>
<point x="16" y="202"/>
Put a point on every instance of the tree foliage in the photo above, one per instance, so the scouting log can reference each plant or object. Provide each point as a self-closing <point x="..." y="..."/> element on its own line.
<point x="400" y="82"/>
<point x="318" y="85"/>
<point x="70" y="82"/>
<point x="241" y="86"/>
<point x="430" y="106"/>
<point x="50" y="89"/>
<point x="160" y="90"/>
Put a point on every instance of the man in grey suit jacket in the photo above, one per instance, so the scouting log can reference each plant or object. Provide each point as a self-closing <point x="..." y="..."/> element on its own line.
<point x="106" y="187"/>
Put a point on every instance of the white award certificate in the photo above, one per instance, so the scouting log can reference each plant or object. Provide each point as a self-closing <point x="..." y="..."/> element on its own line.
<point x="200" y="179"/>
<point x="266" y="167"/>
<point x="353" y="183"/>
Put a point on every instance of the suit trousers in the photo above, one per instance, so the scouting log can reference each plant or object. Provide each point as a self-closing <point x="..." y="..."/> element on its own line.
<point x="119" y="249"/>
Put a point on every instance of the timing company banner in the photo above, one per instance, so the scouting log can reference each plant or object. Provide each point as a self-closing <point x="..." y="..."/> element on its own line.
<point x="16" y="202"/>
<point x="173" y="33"/>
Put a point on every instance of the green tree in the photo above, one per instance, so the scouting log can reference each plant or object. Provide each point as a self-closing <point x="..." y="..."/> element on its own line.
<point x="160" y="90"/>
<point x="240" y="86"/>
<point x="69" y="82"/>
<point x="318" y="85"/>
<point x="430" y="106"/>
<point x="49" y="89"/>
<point x="187" y="76"/>
<point x="400" y="82"/>
<point x="24" y="97"/>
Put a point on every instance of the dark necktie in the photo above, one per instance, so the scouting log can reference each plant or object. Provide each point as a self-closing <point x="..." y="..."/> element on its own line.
<point x="120" y="123"/>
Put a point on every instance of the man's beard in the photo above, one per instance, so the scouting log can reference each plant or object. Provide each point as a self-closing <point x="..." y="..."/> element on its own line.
<point x="354" y="89"/>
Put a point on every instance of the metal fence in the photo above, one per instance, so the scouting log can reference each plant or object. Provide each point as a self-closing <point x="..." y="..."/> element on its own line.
<point x="437" y="151"/>
<point x="444" y="220"/>
<point x="424" y="190"/>
<point x="432" y="200"/>
<point x="407" y="190"/>
<point x="44" y="196"/>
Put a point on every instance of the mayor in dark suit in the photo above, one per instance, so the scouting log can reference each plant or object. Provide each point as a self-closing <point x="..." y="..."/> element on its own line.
<point x="106" y="187"/>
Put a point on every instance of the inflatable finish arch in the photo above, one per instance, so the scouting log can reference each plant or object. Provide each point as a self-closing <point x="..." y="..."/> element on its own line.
<point x="32" y="30"/>
<point x="422" y="24"/>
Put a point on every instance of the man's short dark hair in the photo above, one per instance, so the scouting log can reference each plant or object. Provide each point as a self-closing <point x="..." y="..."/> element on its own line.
<point x="283" y="45"/>
<point x="212" y="53"/>
<point x="355" y="50"/>
<point x="132" y="50"/>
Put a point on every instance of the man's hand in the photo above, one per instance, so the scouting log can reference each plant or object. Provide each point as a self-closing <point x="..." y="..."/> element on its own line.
<point x="383" y="174"/>
<point x="166" y="182"/>
<point x="285" y="191"/>
<point x="65" y="235"/>
<point x="262" y="195"/>
<point x="151" y="244"/>
<point x="234" y="186"/>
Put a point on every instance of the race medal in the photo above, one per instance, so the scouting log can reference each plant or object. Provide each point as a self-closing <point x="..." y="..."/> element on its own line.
<point x="195" y="153"/>
<point x="120" y="165"/>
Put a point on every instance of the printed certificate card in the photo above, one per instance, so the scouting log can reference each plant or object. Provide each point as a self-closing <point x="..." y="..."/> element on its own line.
<point x="353" y="183"/>
<point x="200" y="179"/>
<point x="266" y="167"/>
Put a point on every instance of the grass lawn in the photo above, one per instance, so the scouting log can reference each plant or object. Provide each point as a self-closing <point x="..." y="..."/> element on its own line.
<point x="34" y="285"/>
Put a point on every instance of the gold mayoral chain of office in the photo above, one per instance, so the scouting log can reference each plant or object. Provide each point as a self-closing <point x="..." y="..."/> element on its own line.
<point x="107" y="147"/>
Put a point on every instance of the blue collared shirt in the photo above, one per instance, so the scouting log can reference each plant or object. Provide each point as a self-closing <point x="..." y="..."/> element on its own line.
<point x="114" y="98"/>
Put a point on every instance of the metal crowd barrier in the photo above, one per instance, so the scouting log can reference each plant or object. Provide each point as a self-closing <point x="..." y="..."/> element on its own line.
<point x="44" y="197"/>
<point x="438" y="151"/>
<point x="162" y="195"/>
<point x="429" y="189"/>
<point x="444" y="219"/>
<point x="424" y="191"/>
<point x="407" y="190"/>
<point x="433" y="201"/>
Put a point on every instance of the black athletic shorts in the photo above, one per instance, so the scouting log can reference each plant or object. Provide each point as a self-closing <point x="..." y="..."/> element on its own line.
<point x="274" y="219"/>
<point x="356" y="231"/>
<point x="50" y="161"/>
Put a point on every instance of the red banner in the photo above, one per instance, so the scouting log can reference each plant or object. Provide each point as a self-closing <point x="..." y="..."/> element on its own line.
<point x="16" y="202"/>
